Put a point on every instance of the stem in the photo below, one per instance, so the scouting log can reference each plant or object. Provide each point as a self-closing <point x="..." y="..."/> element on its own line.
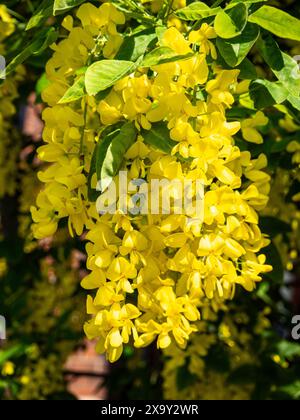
<point x="194" y="102"/>
<point x="81" y="155"/>
<point x="217" y="3"/>
<point x="16" y="14"/>
<point x="30" y="5"/>
<point x="169" y="10"/>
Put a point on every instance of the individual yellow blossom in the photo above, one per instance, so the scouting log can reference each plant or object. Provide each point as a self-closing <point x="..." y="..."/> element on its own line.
<point x="203" y="37"/>
<point x="249" y="128"/>
<point x="8" y="369"/>
<point x="7" y="24"/>
<point x="219" y="88"/>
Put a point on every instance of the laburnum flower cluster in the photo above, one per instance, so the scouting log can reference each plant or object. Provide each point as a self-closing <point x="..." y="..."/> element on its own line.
<point x="152" y="273"/>
<point x="9" y="142"/>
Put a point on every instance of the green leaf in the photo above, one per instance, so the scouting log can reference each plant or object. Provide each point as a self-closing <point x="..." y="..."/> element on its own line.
<point x="15" y="351"/>
<point x="195" y="11"/>
<point x="99" y="156"/>
<point x="235" y="50"/>
<point x="294" y="101"/>
<point x="248" y="2"/>
<point x="43" y="40"/>
<point x="287" y="349"/>
<point x="262" y="292"/>
<point x="75" y="92"/>
<point x="283" y="66"/>
<point x="265" y="93"/>
<point x="134" y="46"/>
<point x="108" y="133"/>
<point x="104" y="74"/>
<point x="231" y="23"/>
<point x="135" y="10"/>
<point x="111" y="153"/>
<point x="289" y="75"/>
<point x="62" y="6"/>
<point x="43" y="12"/>
<point x="162" y="55"/>
<point x="159" y="137"/>
<point x="270" y="51"/>
<point x="278" y="22"/>
<point x="247" y="70"/>
<point x="92" y="193"/>
<point x="292" y="389"/>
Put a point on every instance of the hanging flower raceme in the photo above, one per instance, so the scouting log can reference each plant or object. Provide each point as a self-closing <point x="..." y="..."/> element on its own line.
<point x="9" y="141"/>
<point x="163" y="120"/>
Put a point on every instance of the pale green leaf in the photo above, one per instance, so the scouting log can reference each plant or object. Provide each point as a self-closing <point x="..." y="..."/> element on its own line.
<point x="104" y="74"/>
<point x="278" y="22"/>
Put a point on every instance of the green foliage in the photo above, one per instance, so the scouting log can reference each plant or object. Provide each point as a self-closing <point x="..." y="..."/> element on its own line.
<point x="75" y="92"/>
<point x="111" y="151"/>
<point x="159" y="138"/>
<point x="234" y="51"/>
<point x="104" y="74"/>
<point x="196" y="10"/>
<point x="231" y="22"/>
<point x="163" y="55"/>
<point x="277" y="22"/>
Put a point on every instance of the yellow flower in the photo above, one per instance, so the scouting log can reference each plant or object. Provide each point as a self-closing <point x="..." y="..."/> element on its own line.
<point x="8" y="369"/>
<point x="7" y="25"/>
<point x="249" y="127"/>
<point x="219" y="88"/>
<point x="202" y="37"/>
<point x="152" y="277"/>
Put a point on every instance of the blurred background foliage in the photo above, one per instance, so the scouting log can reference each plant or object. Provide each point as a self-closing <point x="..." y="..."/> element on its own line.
<point x="244" y="352"/>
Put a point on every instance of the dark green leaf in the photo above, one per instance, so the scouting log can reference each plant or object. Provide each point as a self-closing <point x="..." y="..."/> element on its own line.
<point x="62" y="6"/>
<point x="162" y="55"/>
<point x="235" y="50"/>
<point x="43" y="12"/>
<point x="43" y="40"/>
<point x="247" y="70"/>
<point x="265" y="93"/>
<point x="111" y="153"/>
<point x="159" y="137"/>
<point x="271" y="52"/>
<point x="109" y="133"/>
<point x="15" y="351"/>
<point x="135" y="46"/>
